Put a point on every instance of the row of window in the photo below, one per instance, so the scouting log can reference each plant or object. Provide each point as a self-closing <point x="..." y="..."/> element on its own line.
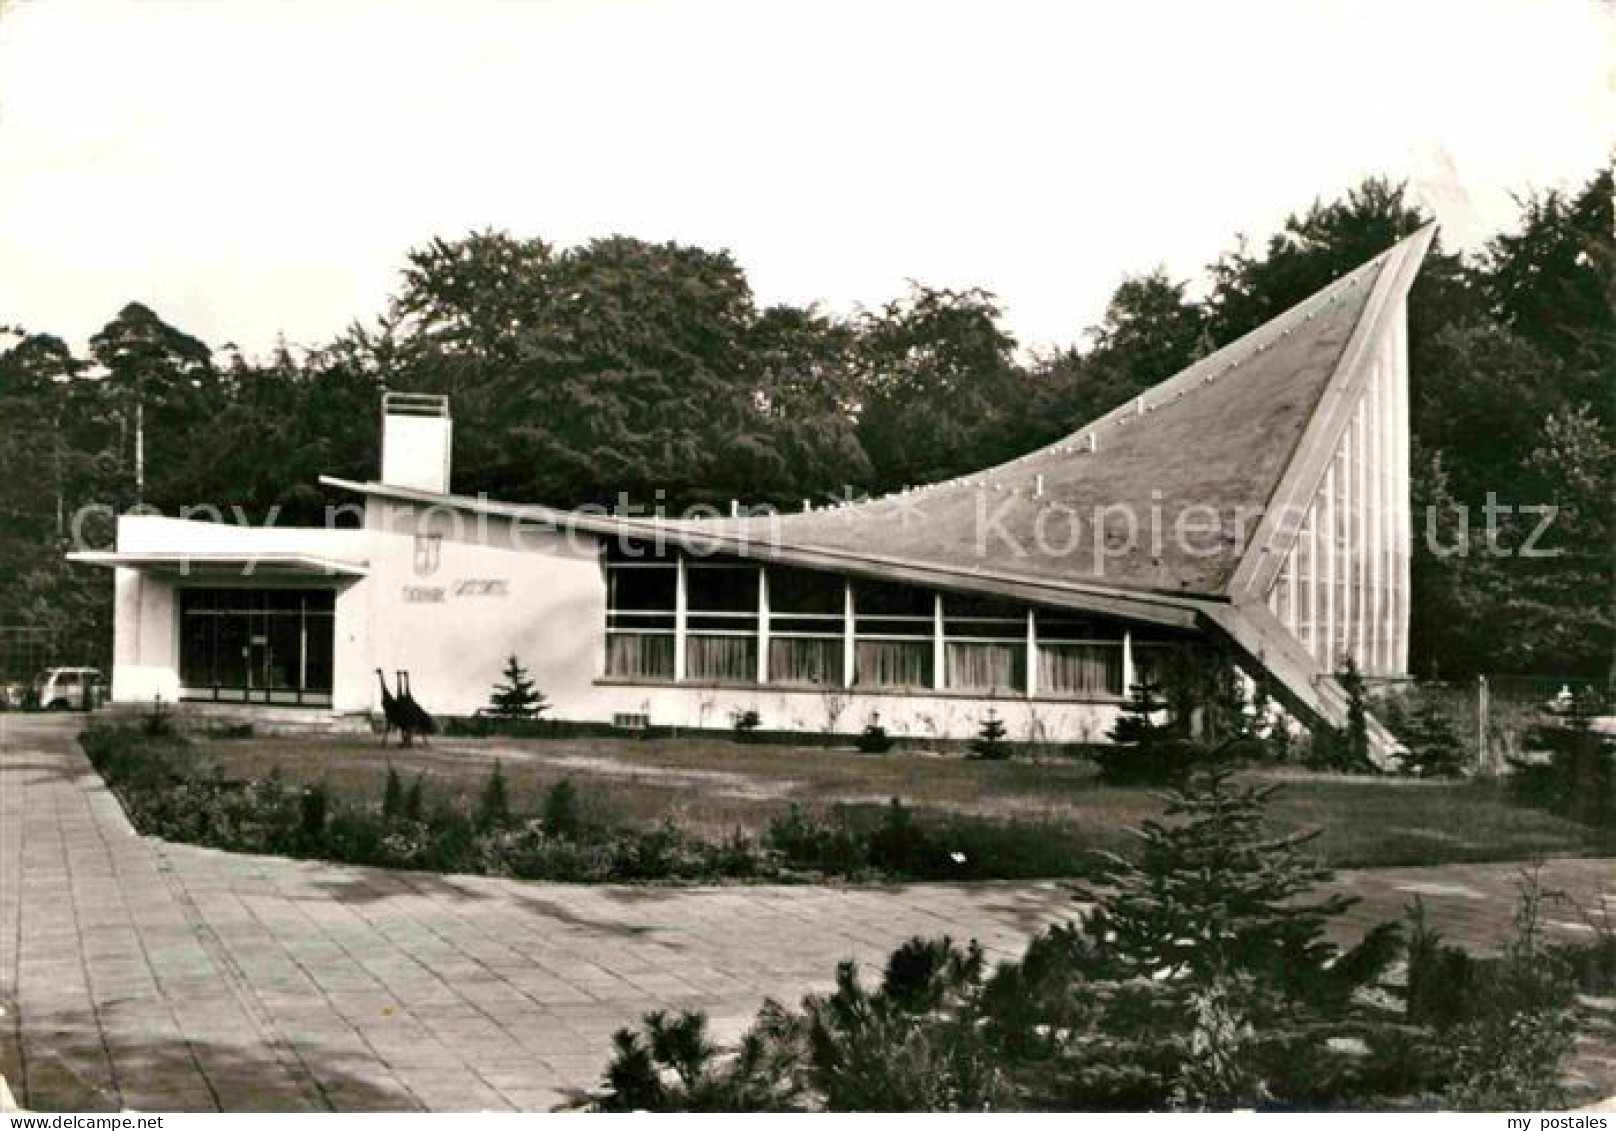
<point x="1063" y="669"/>
<point x="731" y="621"/>
<point x="720" y="622"/>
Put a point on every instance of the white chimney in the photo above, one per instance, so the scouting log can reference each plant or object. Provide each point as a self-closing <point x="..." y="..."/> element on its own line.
<point x="417" y="435"/>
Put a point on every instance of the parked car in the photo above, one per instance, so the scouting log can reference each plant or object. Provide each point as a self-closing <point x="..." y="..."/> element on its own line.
<point x="70" y="689"/>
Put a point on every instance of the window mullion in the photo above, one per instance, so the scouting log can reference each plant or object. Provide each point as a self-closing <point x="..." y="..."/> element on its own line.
<point x="1129" y="677"/>
<point x="1031" y="662"/>
<point x="849" y="650"/>
<point x="763" y="625"/>
<point x="680" y="617"/>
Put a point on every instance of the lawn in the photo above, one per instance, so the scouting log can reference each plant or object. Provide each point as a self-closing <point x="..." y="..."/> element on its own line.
<point x="713" y="786"/>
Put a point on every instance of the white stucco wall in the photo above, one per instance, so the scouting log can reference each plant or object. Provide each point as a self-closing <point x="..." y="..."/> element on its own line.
<point x="145" y="643"/>
<point x="917" y="715"/>
<point x="453" y="636"/>
<point x="146" y="606"/>
<point x="493" y="590"/>
<point x="496" y="588"/>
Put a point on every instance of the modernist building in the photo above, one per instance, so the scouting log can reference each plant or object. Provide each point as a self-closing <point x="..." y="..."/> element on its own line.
<point x="1259" y="499"/>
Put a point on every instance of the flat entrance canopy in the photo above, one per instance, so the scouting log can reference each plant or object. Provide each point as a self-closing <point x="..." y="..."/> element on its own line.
<point x="186" y="565"/>
<point x="253" y="628"/>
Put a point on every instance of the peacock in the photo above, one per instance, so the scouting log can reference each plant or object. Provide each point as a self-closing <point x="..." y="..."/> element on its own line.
<point x="416" y="720"/>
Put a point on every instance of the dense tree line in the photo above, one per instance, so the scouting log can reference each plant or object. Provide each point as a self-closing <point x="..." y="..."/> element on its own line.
<point x="622" y="368"/>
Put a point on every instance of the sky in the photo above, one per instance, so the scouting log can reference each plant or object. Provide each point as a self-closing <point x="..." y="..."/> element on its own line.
<point x="252" y="170"/>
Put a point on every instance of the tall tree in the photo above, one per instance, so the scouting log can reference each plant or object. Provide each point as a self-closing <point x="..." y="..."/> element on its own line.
<point x="1553" y="282"/>
<point x="939" y="386"/>
<point x="1479" y="393"/>
<point x="44" y="477"/>
<point x="621" y="368"/>
<point x="1512" y="391"/>
<point x="469" y="299"/>
<point x="276" y="426"/>
<point x="632" y="378"/>
<point x="1561" y="603"/>
<point x="1150" y="331"/>
<point x="33" y="460"/>
<point x="162" y="381"/>
<point x="806" y="376"/>
<point x="1308" y="252"/>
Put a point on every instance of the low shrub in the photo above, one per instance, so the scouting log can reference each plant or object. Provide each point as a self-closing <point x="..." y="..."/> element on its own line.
<point x="518" y="698"/>
<point x="228" y="731"/>
<point x="899" y="845"/>
<point x="498" y="726"/>
<point x="992" y="742"/>
<point x="392" y="796"/>
<point x="894" y="843"/>
<point x="1503" y="1024"/>
<point x="170" y="789"/>
<point x="353" y="835"/>
<point x="313" y="807"/>
<point x="529" y="851"/>
<point x="1345" y="749"/>
<point x="1023" y="848"/>
<point x="817" y="845"/>
<point x="1354" y="737"/>
<point x="159" y="721"/>
<point x="874" y="739"/>
<point x="1161" y="763"/>
<point x="414" y="806"/>
<point x="670" y="1066"/>
<point x="907" y="1045"/>
<point x="1149" y="748"/>
<point x="562" y="814"/>
<point x="1431" y="746"/>
<point x="1575" y="775"/>
<point x="745" y="723"/>
<point x="1202" y="979"/>
<point x="494" y="806"/>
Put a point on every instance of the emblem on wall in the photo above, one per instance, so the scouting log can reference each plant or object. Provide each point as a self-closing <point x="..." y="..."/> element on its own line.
<point x="428" y="554"/>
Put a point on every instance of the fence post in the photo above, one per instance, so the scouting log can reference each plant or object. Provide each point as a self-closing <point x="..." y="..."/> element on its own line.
<point x="1483" y="760"/>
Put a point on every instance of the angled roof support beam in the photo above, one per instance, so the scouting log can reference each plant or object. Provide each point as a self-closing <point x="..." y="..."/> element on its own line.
<point x="1314" y="697"/>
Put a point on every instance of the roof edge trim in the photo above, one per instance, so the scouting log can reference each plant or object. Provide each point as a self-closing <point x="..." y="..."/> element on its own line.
<point x="187" y="561"/>
<point x="1280" y="525"/>
<point x="1160" y="608"/>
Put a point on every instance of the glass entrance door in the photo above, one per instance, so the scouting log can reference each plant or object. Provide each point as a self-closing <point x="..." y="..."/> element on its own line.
<point x="257" y="645"/>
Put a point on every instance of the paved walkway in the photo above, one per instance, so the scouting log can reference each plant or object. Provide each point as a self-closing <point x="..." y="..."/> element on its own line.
<point x="139" y="974"/>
